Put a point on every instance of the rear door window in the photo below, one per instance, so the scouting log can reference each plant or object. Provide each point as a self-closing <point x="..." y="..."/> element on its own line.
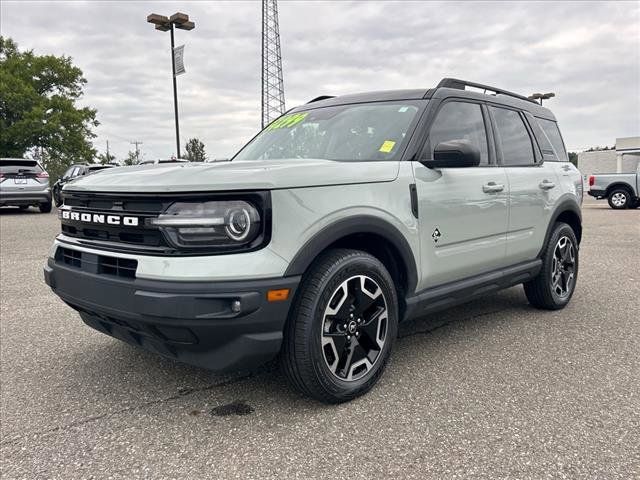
<point x="513" y="138"/>
<point x="458" y="121"/>
<point x="550" y="129"/>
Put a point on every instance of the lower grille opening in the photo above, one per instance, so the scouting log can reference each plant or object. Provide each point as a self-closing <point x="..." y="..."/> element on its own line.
<point x="72" y="258"/>
<point x="101" y="264"/>
<point x="122" y="267"/>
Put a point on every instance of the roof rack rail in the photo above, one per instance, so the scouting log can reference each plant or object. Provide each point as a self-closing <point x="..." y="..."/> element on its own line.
<point x="461" y="84"/>
<point x="321" y="97"/>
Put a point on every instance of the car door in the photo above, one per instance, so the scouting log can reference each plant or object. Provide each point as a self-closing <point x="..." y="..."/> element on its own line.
<point x="462" y="211"/>
<point x="533" y="184"/>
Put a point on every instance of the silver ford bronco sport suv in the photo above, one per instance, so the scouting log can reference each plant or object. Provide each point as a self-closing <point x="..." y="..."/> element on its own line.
<point x="339" y="220"/>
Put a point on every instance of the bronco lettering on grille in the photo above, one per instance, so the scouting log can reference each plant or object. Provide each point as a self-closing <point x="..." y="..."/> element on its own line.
<point x="100" y="218"/>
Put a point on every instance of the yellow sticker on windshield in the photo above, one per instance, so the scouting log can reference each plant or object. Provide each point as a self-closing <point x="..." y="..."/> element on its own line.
<point x="387" y="146"/>
<point x="287" y="121"/>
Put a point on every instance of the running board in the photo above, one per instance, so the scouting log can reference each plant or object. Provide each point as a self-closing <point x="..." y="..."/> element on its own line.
<point x="461" y="291"/>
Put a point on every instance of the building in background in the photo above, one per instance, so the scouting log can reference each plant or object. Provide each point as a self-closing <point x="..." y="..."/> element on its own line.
<point x="625" y="158"/>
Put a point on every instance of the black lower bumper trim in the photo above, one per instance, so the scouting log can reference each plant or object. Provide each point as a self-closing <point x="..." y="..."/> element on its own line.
<point x="597" y="193"/>
<point x="24" y="198"/>
<point x="216" y="325"/>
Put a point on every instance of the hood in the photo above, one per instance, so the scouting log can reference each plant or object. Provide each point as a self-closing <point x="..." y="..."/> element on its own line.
<point x="237" y="175"/>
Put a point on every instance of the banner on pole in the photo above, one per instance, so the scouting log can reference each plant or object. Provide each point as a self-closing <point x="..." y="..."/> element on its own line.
<point x="178" y="59"/>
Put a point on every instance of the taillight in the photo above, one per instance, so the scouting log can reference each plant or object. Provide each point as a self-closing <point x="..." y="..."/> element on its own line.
<point x="592" y="180"/>
<point x="42" y="175"/>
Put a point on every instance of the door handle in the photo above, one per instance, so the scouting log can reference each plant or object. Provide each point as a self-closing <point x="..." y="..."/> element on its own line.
<point x="546" y="185"/>
<point x="492" y="187"/>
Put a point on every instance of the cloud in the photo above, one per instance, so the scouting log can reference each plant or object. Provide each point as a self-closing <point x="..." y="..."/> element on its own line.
<point x="588" y="53"/>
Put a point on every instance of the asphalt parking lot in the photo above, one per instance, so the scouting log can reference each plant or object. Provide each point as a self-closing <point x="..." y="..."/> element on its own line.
<point x="492" y="389"/>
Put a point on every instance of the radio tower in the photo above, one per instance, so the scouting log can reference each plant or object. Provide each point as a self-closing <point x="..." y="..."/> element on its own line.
<point x="272" y="85"/>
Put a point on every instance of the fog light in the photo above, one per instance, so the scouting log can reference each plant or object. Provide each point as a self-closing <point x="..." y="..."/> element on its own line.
<point x="235" y="306"/>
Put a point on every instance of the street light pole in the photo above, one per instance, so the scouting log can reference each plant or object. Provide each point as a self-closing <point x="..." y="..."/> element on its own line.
<point x="175" y="94"/>
<point x="164" y="24"/>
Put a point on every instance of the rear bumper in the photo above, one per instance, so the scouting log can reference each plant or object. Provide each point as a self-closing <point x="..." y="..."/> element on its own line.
<point x="597" y="193"/>
<point x="24" y="198"/>
<point x="193" y="322"/>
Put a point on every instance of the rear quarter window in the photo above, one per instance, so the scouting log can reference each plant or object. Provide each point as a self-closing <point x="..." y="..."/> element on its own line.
<point x="551" y="131"/>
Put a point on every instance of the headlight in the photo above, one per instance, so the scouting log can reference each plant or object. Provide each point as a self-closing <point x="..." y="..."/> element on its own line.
<point x="214" y="224"/>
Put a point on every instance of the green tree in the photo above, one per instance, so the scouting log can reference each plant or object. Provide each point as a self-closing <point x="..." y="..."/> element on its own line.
<point x="573" y="158"/>
<point x="195" y="150"/>
<point x="38" y="112"/>
<point x="132" y="158"/>
<point x="105" y="158"/>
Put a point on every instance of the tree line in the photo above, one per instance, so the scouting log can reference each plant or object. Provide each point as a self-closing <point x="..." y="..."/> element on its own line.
<point x="40" y="117"/>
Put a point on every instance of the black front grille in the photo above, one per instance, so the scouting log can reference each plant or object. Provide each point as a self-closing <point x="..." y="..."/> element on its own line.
<point x="100" y="264"/>
<point x="143" y="238"/>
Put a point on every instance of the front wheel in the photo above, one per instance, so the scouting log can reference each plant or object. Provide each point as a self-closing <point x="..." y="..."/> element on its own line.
<point x="554" y="286"/>
<point x="619" y="199"/>
<point x="342" y="327"/>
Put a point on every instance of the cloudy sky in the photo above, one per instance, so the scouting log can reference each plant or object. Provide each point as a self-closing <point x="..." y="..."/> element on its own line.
<point x="587" y="53"/>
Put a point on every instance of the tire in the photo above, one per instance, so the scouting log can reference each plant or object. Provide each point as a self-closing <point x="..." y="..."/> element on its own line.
<point x="553" y="287"/>
<point x="342" y="288"/>
<point x="23" y="208"/>
<point x="45" y="207"/>
<point x="619" y="198"/>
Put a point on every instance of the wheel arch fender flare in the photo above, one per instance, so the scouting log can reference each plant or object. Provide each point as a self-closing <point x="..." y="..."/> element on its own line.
<point x="361" y="224"/>
<point x="567" y="209"/>
<point x="619" y="185"/>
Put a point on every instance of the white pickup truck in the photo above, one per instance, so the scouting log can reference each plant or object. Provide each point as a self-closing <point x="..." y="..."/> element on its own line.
<point x="622" y="190"/>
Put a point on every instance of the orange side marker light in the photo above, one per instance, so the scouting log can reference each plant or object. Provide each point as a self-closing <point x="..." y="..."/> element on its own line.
<point x="279" y="295"/>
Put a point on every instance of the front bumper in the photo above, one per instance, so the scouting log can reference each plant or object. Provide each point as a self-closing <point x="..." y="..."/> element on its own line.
<point x="193" y="322"/>
<point x="25" y="198"/>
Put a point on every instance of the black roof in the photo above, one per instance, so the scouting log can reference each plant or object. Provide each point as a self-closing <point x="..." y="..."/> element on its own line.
<point x="450" y="87"/>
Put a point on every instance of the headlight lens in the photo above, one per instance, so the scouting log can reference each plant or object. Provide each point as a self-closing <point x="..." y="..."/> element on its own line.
<point x="224" y="224"/>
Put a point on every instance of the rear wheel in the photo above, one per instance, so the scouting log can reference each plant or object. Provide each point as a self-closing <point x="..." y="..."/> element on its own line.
<point x="45" y="207"/>
<point x="619" y="199"/>
<point x="554" y="286"/>
<point x="341" y="328"/>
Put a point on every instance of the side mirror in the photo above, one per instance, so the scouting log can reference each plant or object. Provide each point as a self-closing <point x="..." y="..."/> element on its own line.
<point x="454" y="154"/>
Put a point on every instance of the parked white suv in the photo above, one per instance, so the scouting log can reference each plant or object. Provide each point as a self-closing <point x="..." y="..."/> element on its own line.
<point x="339" y="220"/>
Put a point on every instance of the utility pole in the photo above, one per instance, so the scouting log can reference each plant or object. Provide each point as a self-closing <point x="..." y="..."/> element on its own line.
<point x="136" y="143"/>
<point x="108" y="156"/>
<point x="166" y="24"/>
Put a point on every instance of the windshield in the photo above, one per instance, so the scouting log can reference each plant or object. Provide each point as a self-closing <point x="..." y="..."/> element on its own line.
<point x="370" y="131"/>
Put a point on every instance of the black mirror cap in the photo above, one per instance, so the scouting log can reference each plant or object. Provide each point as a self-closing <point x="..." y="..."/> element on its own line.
<point x="454" y="154"/>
